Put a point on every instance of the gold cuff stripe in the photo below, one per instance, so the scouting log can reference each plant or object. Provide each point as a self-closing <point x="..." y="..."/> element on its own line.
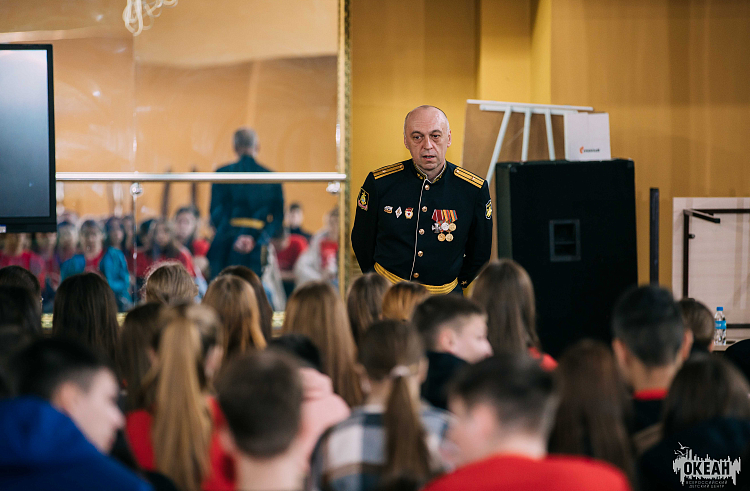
<point x="435" y="290"/>
<point x="247" y="223"/>
<point x="469" y="177"/>
<point x="387" y="170"/>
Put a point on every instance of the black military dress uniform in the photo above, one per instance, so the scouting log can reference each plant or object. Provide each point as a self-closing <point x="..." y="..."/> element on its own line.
<point x="251" y="209"/>
<point x="437" y="233"/>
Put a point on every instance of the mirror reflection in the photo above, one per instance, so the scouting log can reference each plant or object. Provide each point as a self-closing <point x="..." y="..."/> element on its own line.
<point x="171" y="100"/>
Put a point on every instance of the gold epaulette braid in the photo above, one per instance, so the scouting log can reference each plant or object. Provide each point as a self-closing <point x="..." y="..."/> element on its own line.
<point x="467" y="176"/>
<point x="388" y="170"/>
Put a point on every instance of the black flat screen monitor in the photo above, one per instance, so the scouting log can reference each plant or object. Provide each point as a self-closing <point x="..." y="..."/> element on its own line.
<point x="27" y="139"/>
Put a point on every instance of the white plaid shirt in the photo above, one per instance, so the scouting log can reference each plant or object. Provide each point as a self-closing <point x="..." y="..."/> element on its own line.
<point x="350" y="456"/>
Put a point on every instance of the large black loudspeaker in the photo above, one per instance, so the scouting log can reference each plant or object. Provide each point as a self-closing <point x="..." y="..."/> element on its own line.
<point x="571" y="225"/>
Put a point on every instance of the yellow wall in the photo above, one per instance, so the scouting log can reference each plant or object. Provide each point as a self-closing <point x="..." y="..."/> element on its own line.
<point x="541" y="51"/>
<point x="404" y="54"/>
<point x="504" y="71"/>
<point x="673" y="77"/>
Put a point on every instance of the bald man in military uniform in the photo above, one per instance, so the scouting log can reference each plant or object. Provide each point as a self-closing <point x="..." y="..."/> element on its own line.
<point x="424" y="219"/>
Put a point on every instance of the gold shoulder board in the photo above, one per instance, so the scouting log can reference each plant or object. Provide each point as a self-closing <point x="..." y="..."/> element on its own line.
<point x="467" y="176"/>
<point x="387" y="170"/>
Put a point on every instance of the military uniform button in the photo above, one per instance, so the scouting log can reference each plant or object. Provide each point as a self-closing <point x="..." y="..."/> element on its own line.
<point x="427" y="187"/>
<point x="416" y="275"/>
<point x="424" y="209"/>
<point x="421" y="231"/>
<point x="420" y="254"/>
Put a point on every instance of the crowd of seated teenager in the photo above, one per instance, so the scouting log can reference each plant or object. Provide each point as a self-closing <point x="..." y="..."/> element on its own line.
<point x="125" y="253"/>
<point x="106" y="247"/>
<point x="392" y="389"/>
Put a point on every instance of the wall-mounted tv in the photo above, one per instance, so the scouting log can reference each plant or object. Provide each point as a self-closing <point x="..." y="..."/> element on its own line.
<point x="27" y="139"/>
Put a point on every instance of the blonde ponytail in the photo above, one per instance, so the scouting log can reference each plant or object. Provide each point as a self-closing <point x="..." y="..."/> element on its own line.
<point x="182" y="425"/>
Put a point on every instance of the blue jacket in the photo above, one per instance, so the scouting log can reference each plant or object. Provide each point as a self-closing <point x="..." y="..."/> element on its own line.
<point x="42" y="449"/>
<point x="114" y="268"/>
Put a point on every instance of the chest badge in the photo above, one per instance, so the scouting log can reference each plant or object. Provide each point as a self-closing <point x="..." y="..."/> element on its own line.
<point x="388" y="209"/>
<point x="363" y="199"/>
<point x="409" y="213"/>
<point x="398" y="212"/>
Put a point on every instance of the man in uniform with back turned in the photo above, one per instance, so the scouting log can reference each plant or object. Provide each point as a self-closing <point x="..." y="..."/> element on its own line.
<point x="425" y="219"/>
<point x="246" y="216"/>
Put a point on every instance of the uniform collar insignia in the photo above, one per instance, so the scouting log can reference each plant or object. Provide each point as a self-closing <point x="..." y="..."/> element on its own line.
<point x="423" y="176"/>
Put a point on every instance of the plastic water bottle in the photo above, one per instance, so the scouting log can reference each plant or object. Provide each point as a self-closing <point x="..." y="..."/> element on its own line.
<point x="720" y="334"/>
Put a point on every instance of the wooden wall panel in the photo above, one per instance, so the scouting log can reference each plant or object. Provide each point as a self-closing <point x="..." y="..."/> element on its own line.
<point x="672" y="75"/>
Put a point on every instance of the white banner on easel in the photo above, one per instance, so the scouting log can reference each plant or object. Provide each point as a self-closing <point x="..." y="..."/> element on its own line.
<point x="587" y="136"/>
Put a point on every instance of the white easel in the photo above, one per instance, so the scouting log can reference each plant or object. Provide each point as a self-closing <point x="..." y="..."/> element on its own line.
<point x="527" y="110"/>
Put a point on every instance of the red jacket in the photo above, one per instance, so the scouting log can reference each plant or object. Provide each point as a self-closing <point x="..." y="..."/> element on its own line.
<point x="27" y="260"/>
<point x="221" y="477"/>
<point x="517" y="473"/>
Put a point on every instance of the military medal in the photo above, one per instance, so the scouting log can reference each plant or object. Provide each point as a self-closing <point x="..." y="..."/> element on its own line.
<point x="398" y="212"/>
<point x="408" y="213"/>
<point x="388" y="209"/>
<point x="444" y="224"/>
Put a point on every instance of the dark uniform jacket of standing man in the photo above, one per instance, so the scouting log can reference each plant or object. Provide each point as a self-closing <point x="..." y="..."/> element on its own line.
<point x="436" y="233"/>
<point x="256" y="210"/>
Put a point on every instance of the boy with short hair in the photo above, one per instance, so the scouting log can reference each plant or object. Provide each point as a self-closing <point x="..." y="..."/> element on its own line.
<point x="261" y="396"/>
<point x="650" y="343"/>
<point x="56" y="434"/>
<point x="504" y="409"/>
<point x="454" y="332"/>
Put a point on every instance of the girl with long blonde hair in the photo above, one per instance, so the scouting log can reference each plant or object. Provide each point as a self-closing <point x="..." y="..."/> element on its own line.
<point x="177" y="433"/>
<point x="234" y="300"/>
<point x="266" y="311"/>
<point x="317" y="311"/>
